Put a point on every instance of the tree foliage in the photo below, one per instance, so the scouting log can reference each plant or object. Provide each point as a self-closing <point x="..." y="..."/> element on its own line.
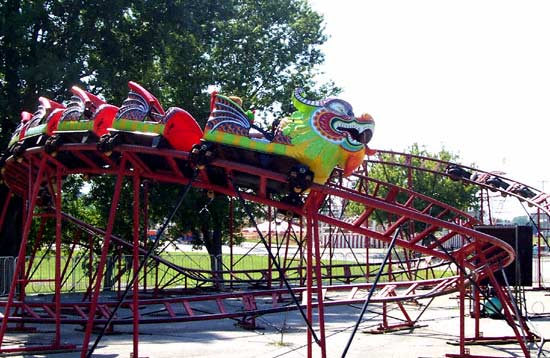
<point x="257" y="49"/>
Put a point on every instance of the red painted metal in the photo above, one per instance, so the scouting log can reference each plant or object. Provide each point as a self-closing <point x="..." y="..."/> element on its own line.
<point x="313" y="205"/>
<point x="309" y="283"/>
<point x="319" y="291"/>
<point x="103" y="260"/>
<point x="462" y="304"/>
<point x="26" y="177"/>
<point x="58" y="250"/>
<point x="18" y="277"/>
<point x="135" y="262"/>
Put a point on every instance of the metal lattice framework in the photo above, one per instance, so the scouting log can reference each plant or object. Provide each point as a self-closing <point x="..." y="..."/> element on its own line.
<point x="405" y="210"/>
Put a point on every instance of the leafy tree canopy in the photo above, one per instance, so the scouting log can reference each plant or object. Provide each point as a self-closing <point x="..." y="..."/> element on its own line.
<point x="257" y="49"/>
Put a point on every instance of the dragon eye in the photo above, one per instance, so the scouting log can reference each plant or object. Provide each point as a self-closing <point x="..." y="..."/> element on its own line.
<point x="340" y="107"/>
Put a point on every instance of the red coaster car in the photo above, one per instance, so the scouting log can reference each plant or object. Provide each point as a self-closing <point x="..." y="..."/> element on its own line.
<point x="40" y="127"/>
<point x="85" y="120"/>
<point x="16" y="136"/>
<point x="141" y="120"/>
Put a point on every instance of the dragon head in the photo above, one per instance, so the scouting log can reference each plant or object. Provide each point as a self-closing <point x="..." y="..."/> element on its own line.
<point x="333" y="122"/>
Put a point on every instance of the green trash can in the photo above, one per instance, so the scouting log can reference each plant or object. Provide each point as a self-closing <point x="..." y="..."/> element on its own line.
<point x="492" y="308"/>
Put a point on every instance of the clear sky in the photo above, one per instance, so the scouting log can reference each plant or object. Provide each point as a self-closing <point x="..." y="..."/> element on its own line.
<point x="470" y="76"/>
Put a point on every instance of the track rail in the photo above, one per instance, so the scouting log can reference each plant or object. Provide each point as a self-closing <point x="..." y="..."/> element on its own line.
<point x="493" y="181"/>
<point x="405" y="211"/>
<point x="166" y="166"/>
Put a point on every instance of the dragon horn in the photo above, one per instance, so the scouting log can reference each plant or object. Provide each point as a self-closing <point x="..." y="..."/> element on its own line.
<point x="298" y="94"/>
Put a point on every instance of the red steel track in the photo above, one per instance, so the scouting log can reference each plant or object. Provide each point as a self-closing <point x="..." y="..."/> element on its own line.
<point x="476" y="259"/>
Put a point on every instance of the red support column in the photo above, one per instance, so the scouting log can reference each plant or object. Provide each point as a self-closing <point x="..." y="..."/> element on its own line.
<point x="309" y="284"/>
<point x="319" y="279"/>
<point x="367" y="259"/>
<point x="90" y="263"/>
<point x="146" y="227"/>
<point x="101" y="266"/>
<point x="20" y="265"/>
<point x="58" y="250"/>
<point x="314" y="267"/>
<point x="301" y="250"/>
<point x="135" y="261"/>
<point x="462" y="304"/>
<point x="385" y="324"/>
<point x="461" y="282"/>
<point x="270" y="262"/>
<point x="330" y="254"/>
<point x="477" y="312"/>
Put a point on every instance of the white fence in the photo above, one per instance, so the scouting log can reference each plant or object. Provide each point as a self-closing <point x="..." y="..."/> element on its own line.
<point x="350" y="241"/>
<point x="358" y="241"/>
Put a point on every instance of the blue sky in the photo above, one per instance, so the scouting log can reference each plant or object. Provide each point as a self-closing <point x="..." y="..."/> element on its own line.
<point x="470" y="76"/>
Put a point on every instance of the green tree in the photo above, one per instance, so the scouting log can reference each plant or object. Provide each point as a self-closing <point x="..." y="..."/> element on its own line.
<point x="521" y="220"/>
<point x="44" y="49"/>
<point x="257" y="49"/>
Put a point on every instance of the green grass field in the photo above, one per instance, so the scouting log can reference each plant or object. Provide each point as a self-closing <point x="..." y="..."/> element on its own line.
<point x="197" y="272"/>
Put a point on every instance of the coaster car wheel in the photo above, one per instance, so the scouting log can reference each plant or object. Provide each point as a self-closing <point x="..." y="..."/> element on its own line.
<point x="299" y="179"/>
<point x="201" y="155"/>
<point x="18" y="151"/>
<point x="107" y="143"/>
<point x="102" y="143"/>
<point x="52" y="144"/>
